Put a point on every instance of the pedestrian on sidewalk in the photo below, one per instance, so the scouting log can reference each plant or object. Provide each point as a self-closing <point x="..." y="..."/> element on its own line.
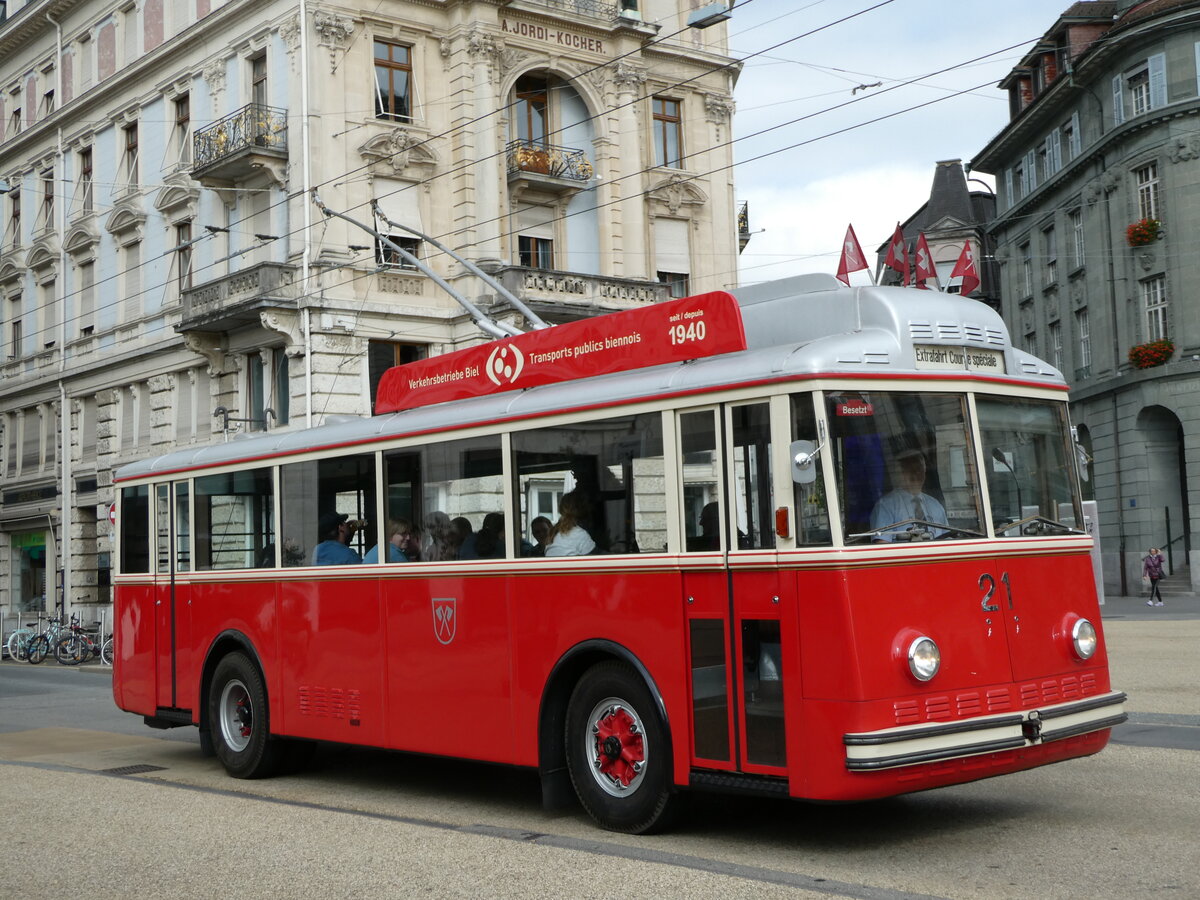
<point x="1152" y="573"/>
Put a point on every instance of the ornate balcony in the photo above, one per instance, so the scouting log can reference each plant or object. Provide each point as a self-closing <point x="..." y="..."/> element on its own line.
<point x="243" y="144"/>
<point x="547" y="168"/>
<point x="237" y="299"/>
<point x="743" y="223"/>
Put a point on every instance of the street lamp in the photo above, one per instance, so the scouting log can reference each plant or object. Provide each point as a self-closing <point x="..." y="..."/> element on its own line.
<point x="708" y="15"/>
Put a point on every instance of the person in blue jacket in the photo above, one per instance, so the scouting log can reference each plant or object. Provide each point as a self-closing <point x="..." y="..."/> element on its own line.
<point x="335" y="531"/>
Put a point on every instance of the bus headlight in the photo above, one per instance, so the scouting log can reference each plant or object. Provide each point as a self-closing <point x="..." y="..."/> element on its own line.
<point x="924" y="658"/>
<point x="1083" y="638"/>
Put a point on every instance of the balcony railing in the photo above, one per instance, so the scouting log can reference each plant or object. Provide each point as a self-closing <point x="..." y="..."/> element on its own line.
<point x="251" y="128"/>
<point x="743" y="224"/>
<point x="543" y="159"/>
<point x="586" y="7"/>
<point x="235" y="300"/>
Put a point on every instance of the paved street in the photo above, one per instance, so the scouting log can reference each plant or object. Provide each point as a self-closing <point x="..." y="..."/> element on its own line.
<point x="1118" y="824"/>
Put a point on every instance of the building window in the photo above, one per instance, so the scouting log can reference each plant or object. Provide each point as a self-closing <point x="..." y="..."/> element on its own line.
<point x="87" y="297"/>
<point x="667" y="134"/>
<point x="85" y="180"/>
<point x="46" y="215"/>
<point x="183" y="128"/>
<point x="14" y="327"/>
<point x="382" y="355"/>
<point x="532" y="109"/>
<point x="1147" y="190"/>
<point x="1045" y="161"/>
<point x="1075" y="223"/>
<point x="535" y="252"/>
<point x="676" y="282"/>
<point x="49" y="313"/>
<point x="1083" y="335"/>
<point x="1139" y="91"/>
<point x="14" y="218"/>
<point x="1026" y="285"/>
<point x="183" y="256"/>
<point x="393" y="81"/>
<point x="258" y="80"/>
<point x="1050" y="244"/>
<point x="1154" y="303"/>
<point x="132" y="277"/>
<point x="14" y="122"/>
<point x="129" y="162"/>
<point x="47" y="103"/>
<point x="1056" y="345"/>
<point x="386" y="255"/>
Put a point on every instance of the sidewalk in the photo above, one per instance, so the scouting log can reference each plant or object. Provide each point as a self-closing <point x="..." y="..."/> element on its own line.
<point x="1175" y="608"/>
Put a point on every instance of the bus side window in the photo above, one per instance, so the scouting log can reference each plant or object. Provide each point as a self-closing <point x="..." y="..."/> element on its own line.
<point x="702" y="514"/>
<point x="462" y="500"/>
<point x="135" y="529"/>
<point x="326" y="489"/>
<point x="615" y="469"/>
<point x="753" y="487"/>
<point x="234" y="519"/>
<point x="812" y="510"/>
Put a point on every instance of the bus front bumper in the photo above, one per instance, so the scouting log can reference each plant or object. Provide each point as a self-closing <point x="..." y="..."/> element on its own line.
<point x="912" y="745"/>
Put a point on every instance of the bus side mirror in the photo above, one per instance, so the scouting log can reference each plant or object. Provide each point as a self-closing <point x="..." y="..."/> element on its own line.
<point x="804" y="458"/>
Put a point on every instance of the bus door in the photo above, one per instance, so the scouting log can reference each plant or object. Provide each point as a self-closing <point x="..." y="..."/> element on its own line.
<point x="172" y="618"/>
<point x="733" y="611"/>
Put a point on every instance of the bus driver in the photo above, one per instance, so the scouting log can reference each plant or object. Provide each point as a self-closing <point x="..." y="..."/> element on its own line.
<point x="908" y="501"/>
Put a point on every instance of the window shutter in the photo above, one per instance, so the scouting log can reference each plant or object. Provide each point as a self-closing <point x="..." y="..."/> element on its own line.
<point x="1031" y="171"/>
<point x="536" y="221"/>
<point x="1158" y="80"/>
<point x="1008" y="187"/>
<point x="1118" y="101"/>
<point x="399" y="201"/>
<point x="671" y="246"/>
<point x="1076" y="137"/>
<point x="1055" y="153"/>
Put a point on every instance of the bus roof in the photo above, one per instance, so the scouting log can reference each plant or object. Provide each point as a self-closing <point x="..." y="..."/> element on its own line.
<point x="808" y="325"/>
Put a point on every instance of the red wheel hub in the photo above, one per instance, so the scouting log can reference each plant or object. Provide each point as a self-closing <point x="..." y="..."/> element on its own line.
<point x="619" y="747"/>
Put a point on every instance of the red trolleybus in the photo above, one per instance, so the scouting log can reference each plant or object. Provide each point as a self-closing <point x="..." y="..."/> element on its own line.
<point x="805" y="540"/>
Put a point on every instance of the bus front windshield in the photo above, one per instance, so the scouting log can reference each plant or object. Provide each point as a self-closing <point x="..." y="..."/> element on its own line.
<point x="1030" y="469"/>
<point x="905" y="467"/>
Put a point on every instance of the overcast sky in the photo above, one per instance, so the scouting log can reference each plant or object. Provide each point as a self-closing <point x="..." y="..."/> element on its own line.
<point x="880" y="173"/>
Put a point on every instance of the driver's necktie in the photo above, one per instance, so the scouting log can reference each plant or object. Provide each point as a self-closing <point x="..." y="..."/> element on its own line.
<point x="918" y="510"/>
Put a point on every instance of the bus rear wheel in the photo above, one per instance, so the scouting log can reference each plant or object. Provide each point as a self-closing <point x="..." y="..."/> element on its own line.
<point x="617" y="751"/>
<point x="239" y="720"/>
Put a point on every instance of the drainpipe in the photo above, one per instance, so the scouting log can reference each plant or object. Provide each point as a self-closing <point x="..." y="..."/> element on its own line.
<point x="64" y="403"/>
<point x="306" y="253"/>
<point x="1116" y="350"/>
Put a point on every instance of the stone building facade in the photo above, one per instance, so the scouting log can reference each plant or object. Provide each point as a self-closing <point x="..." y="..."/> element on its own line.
<point x="1098" y="184"/>
<point x="167" y="279"/>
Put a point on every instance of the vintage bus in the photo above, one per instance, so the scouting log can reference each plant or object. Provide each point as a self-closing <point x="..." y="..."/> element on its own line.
<point x="807" y="541"/>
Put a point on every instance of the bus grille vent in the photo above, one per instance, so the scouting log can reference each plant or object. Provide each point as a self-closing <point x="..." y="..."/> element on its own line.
<point x="920" y="331"/>
<point x="907" y="712"/>
<point x="999" y="700"/>
<point x="329" y="703"/>
<point x="937" y="708"/>
<point x="969" y="704"/>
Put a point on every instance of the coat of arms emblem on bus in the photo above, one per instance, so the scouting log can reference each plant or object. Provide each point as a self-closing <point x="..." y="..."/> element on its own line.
<point x="501" y="369"/>
<point x="445" y="622"/>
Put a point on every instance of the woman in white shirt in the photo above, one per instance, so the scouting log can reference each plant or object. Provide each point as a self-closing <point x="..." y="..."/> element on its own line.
<point x="568" y="537"/>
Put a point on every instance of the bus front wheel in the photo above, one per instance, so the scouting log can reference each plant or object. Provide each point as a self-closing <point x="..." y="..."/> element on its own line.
<point x="239" y="721"/>
<point x="617" y="751"/>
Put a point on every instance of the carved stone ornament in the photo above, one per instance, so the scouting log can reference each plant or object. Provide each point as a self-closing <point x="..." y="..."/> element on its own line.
<point x="209" y="346"/>
<point x="399" y="149"/>
<point x="288" y="324"/>
<point x="289" y="32"/>
<point x="628" y="77"/>
<point x="1184" y="148"/>
<point x="719" y="108"/>
<point x="677" y="192"/>
<point x="333" y="31"/>
<point x="1110" y="180"/>
<point x="1146" y="260"/>
<point x="1092" y="192"/>
<point x="214" y="77"/>
<point x="480" y="42"/>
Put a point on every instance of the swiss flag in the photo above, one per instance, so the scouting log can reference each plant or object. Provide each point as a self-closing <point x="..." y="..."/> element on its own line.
<point x="925" y="269"/>
<point x="966" y="268"/>
<point x="897" y="255"/>
<point x="852" y="257"/>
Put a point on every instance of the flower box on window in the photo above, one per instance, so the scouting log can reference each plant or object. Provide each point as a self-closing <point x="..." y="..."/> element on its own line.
<point x="1143" y="231"/>
<point x="1155" y="353"/>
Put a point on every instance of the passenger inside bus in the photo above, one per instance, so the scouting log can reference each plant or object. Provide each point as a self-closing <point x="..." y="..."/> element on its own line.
<point x="399" y="533"/>
<point x="569" y="537"/>
<point x="335" y="530"/>
<point x="438" y="543"/>
<point x="540" y="529"/>
<point x="487" y="542"/>
<point x="907" y="504"/>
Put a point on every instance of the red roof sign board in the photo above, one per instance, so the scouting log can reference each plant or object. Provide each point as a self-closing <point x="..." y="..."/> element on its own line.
<point x="677" y="330"/>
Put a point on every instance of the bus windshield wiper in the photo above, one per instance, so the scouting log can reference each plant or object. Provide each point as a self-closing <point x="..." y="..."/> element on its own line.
<point x="1038" y="524"/>
<point x="917" y="530"/>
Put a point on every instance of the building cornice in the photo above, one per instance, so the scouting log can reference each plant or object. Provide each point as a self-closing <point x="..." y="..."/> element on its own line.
<point x="27" y="23"/>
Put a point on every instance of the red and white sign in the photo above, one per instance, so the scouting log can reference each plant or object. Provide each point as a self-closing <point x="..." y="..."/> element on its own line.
<point x="112" y="514"/>
<point x="688" y="328"/>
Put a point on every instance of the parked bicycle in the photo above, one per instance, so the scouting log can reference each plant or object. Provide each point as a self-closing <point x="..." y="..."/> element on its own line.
<point x="39" y="647"/>
<point x="20" y="639"/>
<point x="77" y="646"/>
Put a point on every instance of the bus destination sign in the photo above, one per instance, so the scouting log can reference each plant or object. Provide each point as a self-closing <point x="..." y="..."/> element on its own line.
<point x="688" y="328"/>
<point x="939" y="357"/>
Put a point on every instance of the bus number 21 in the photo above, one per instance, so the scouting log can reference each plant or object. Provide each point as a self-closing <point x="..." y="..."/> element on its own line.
<point x="683" y="334"/>
<point x="990" y="583"/>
